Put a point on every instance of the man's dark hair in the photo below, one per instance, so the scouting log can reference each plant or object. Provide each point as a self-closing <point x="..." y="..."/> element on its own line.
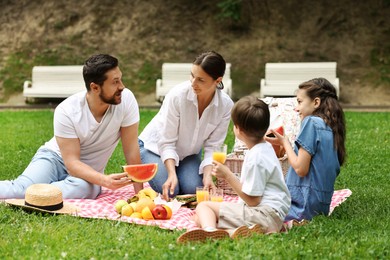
<point x="95" y="68"/>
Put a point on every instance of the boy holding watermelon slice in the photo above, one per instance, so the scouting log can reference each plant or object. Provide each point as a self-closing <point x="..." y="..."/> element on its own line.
<point x="87" y="128"/>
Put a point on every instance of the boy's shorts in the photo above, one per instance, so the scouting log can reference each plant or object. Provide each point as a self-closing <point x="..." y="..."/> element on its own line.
<point x="233" y="215"/>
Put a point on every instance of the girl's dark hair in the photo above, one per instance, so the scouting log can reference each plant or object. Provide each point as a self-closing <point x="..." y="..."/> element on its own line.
<point x="252" y="116"/>
<point x="95" y="68"/>
<point x="213" y="64"/>
<point x="329" y="110"/>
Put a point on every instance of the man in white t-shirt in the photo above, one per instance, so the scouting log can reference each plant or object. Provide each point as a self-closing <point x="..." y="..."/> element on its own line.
<point x="87" y="128"/>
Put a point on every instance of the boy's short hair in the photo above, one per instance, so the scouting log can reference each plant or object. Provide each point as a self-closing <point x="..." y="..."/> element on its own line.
<point x="251" y="115"/>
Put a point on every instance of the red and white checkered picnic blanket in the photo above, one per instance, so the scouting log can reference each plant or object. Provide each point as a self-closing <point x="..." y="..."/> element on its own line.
<point x="103" y="207"/>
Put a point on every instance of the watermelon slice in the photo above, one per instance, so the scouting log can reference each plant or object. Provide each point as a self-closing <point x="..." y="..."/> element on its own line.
<point x="141" y="172"/>
<point x="280" y="130"/>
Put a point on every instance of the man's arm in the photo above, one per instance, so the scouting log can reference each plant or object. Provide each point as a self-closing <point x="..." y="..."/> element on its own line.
<point x="129" y="137"/>
<point x="70" y="151"/>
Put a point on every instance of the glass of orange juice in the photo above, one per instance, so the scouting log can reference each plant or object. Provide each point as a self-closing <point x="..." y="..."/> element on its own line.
<point x="202" y="194"/>
<point x="216" y="195"/>
<point x="219" y="153"/>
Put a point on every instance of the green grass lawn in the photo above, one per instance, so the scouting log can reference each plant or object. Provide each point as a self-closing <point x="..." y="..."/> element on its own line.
<point x="358" y="229"/>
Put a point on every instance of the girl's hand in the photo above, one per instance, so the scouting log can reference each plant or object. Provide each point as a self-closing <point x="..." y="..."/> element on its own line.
<point x="276" y="139"/>
<point x="169" y="187"/>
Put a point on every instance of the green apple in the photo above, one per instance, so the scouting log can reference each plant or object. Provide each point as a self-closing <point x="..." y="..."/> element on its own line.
<point x="119" y="204"/>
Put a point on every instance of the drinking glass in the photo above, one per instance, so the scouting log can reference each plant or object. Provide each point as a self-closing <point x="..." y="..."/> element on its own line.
<point x="219" y="153"/>
<point x="216" y="195"/>
<point x="202" y="194"/>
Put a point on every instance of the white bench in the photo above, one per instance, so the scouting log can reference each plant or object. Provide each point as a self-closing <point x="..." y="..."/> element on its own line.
<point x="54" y="82"/>
<point x="175" y="73"/>
<point x="283" y="79"/>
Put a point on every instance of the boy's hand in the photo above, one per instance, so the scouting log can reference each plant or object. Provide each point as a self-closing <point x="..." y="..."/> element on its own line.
<point x="220" y="170"/>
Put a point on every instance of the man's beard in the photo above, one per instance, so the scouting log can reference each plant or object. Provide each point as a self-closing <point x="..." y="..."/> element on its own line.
<point x="113" y="100"/>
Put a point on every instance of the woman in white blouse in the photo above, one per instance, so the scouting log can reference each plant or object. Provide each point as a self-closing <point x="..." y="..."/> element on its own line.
<point x="195" y="114"/>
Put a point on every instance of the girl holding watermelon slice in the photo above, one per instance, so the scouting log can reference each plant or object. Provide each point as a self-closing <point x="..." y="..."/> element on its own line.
<point x="195" y="115"/>
<point x="319" y="150"/>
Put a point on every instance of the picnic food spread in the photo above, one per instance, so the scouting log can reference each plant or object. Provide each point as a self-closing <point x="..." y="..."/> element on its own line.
<point x="187" y="200"/>
<point x="141" y="172"/>
<point x="142" y="206"/>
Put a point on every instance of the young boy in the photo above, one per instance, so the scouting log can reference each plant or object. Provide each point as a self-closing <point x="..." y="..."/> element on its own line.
<point x="264" y="199"/>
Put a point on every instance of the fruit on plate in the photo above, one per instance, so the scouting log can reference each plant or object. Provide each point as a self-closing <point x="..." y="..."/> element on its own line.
<point x="147" y="192"/>
<point x="127" y="210"/>
<point x="119" y="204"/>
<point x="134" y="198"/>
<point x="136" y="215"/>
<point x="141" y="172"/>
<point x="169" y="211"/>
<point x="144" y="202"/>
<point x="160" y="212"/>
<point x="133" y="205"/>
<point x="147" y="213"/>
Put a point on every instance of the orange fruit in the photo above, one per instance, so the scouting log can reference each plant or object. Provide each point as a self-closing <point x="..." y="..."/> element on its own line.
<point x="147" y="214"/>
<point x="169" y="211"/>
<point x="136" y="215"/>
<point x="144" y="202"/>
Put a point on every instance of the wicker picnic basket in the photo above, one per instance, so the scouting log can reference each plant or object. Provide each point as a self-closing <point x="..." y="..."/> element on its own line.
<point x="234" y="163"/>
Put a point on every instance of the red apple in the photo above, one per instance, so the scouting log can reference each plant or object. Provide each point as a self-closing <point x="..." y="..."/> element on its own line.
<point x="159" y="212"/>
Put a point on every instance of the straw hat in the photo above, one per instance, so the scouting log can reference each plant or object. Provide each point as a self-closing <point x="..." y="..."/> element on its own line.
<point x="45" y="198"/>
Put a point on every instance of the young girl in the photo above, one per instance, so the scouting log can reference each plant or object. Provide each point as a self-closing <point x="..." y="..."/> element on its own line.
<point x="264" y="199"/>
<point x="319" y="150"/>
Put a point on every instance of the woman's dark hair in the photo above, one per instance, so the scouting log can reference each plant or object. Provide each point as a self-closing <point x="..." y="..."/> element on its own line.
<point x="213" y="64"/>
<point x="329" y="110"/>
<point x="95" y="68"/>
<point x="252" y="116"/>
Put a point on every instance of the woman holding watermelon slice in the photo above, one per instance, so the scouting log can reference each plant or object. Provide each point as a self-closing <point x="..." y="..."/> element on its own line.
<point x="195" y="115"/>
<point x="319" y="150"/>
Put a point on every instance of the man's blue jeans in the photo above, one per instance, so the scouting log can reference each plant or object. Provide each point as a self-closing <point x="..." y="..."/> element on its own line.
<point x="47" y="167"/>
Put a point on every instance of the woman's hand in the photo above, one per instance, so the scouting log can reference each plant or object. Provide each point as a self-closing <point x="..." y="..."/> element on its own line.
<point x="208" y="178"/>
<point x="169" y="186"/>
